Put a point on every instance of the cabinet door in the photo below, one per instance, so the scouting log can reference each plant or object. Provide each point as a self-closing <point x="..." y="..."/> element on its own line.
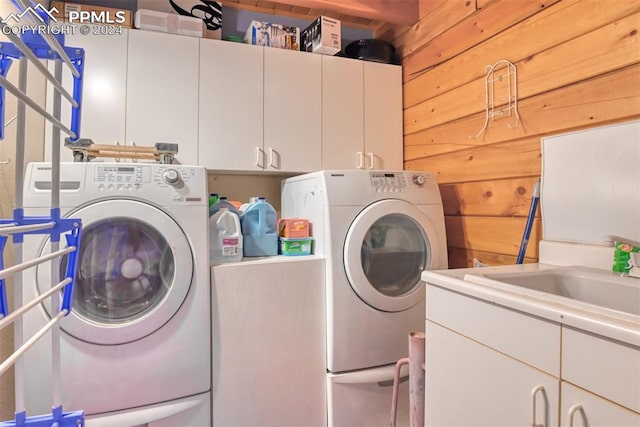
<point x="469" y="384"/>
<point x="583" y="409"/>
<point x="162" y="91"/>
<point x="292" y="110"/>
<point x="269" y="350"/>
<point x="231" y="106"/>
<point x="342" y="113"/>
<point x="383" y="116"/>
<point x="104" y="91"/>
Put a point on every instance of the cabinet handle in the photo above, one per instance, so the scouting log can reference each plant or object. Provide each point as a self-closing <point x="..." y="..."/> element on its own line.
<point x="572" y="412"/>
<point x="259" y="157"/>
<point x="360" y="160"/>
<point x="371" y="159"/>
<point x="273" y="154"/>
<point x="539" y="389"/>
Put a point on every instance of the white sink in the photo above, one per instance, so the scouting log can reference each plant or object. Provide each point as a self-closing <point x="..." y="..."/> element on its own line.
<point x="584" y="285"/>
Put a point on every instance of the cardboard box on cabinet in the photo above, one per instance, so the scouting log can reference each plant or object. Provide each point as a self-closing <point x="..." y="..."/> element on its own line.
<point x="210" y="13"/>
<point x="322" y="36"/>
<point x="168" y="23"/>
<point x="262" y="33"/>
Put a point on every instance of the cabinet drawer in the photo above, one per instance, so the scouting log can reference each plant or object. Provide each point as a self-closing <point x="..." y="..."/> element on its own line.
<point x="605" y="367"/>
<point x="529" y="339"/>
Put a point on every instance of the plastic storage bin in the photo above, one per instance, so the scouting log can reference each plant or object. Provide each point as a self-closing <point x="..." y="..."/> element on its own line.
<point x="260" y="229"/>
<point x="296" y="246"/>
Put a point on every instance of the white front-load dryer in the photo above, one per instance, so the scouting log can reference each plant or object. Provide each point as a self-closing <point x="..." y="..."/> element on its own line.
<point x="378" y="231"/>
<point x="135" y="349"/>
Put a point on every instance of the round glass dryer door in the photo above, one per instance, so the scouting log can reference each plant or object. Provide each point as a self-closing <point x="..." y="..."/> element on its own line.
<point x="134" y="272"/>
<point x="387" y="247"/>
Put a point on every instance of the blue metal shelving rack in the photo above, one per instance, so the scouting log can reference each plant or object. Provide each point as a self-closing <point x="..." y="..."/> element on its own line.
<point x="28" y="48"/>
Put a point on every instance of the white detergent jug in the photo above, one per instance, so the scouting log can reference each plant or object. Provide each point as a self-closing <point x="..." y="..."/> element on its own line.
<point x="225" y="237"/>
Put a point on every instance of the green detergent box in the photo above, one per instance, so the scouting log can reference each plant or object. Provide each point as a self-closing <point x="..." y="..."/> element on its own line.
<point x="295" y="246"/>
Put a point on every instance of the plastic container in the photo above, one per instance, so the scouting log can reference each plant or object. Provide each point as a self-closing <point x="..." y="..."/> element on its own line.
<point x="213" y="198"/>
<point x="260" y="229"/>
<point x="225" y="237"/>
<point x="222" y="203"/>
<point x="244" y="206"/>
<point x="295" y="246"/>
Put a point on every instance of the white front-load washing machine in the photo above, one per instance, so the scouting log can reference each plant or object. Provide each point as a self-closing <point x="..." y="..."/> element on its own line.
<point x="378" y="231"/>
<point x="135" y="349"/>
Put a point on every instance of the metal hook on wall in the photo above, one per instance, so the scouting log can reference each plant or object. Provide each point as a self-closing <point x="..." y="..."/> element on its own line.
<point x="505" y="73"/>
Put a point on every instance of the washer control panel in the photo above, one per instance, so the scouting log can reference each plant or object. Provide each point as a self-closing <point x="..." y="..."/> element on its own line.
<point x="169" y="180"/>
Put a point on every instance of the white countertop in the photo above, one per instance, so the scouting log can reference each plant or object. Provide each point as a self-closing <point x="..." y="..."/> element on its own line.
<point x="620" y="326"/>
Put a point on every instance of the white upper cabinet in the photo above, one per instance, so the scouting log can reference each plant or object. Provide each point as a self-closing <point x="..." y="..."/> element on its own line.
<point x="104" y="91"/>
<point x="292" y="111"/>
<point x="231" y="106"/>
<point x="162" y="92"/>
<point x="361" y="114"/>
<point x="259" y="108"/>
<point x="383" y="116"/>
<point x="342" y="113"/>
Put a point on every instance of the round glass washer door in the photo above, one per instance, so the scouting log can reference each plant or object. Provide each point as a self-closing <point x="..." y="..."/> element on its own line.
<point x="387" y="247"/>
<point x="134" y="272"/>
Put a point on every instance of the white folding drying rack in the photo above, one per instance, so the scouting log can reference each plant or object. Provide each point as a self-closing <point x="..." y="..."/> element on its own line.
<point x="28" y="49"/>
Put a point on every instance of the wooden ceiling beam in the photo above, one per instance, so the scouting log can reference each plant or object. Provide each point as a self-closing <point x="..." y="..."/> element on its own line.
<point x="403" y="12"/>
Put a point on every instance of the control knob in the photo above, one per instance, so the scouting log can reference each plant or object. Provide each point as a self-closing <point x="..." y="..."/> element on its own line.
<point x="172" y="177"/>
<point x="418" y="180"/>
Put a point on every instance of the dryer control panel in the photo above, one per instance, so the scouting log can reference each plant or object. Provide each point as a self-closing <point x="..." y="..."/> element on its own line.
<point x="397" y="181"/>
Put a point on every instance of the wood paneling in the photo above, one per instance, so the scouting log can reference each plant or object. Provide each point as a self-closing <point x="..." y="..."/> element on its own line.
<point x="289" y="9"/>
<point x="512" y="44"/>
<point x="404" y="12"/>
<point x="504" y="197"/>
<point x="442" y="16"/>
<point x="500" y="235"/>
<point x="578" y="64"/>
<point x="606" y="49"/>
<point x="497" y="161"/>
<point x="611" y="97"/>
<point x="475" y="28"/>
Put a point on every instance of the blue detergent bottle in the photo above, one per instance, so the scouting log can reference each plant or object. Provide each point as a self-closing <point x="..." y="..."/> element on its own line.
<point x="222" y="202"/>
<point x="259" y="225"/>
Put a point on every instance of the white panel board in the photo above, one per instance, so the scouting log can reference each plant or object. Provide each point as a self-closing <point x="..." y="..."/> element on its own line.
<point x="591" y="184"/>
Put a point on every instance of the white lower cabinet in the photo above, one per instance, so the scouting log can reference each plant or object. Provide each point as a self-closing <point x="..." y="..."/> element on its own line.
<point x="469" y="384"/>
<point x="268" y="337"/>
<point x="583" y="409"/>
<point x="490" y="365"/>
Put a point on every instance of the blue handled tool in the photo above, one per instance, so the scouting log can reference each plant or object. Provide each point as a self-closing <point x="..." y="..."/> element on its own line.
<point x="527" y="227"/>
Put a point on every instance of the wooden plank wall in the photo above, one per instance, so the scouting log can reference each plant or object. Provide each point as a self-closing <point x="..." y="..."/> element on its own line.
<point x="578" y="66"/>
